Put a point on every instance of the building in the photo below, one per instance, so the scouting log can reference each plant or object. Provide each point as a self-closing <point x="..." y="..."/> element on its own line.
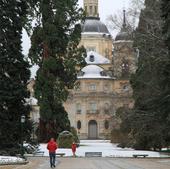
<point x="103" y="85"/>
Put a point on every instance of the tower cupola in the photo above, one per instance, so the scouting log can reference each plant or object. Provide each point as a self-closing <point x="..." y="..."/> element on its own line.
<point x="124" y="34"/>
<point x="91" y="8"/>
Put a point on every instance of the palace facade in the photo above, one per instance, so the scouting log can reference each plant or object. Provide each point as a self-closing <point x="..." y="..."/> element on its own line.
<point x="103" y="84"/>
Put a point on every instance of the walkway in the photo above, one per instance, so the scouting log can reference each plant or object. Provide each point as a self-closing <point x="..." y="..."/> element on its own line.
<point x="96" y="163"/>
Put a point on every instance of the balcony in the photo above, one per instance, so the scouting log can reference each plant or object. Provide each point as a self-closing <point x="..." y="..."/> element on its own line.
<point x="78" y="112"/>
<point x="93" y="111"/>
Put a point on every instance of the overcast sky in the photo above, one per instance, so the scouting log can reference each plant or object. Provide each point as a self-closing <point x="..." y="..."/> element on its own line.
<point x="108" y="7"/>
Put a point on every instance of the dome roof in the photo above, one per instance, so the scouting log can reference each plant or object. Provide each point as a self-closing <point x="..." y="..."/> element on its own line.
<point x="93" y="24"/>
<point x="92" y="71"/>
<point x="123" y="35"/>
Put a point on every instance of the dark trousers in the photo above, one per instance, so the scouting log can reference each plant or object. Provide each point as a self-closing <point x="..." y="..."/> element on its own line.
<point x="52" y="159"/>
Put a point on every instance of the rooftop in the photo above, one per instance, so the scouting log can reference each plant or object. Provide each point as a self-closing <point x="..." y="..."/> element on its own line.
<point x="93" y="24"/>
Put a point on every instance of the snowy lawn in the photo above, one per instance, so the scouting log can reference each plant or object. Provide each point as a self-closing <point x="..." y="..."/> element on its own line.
<point x="108" y="149"/>
<point x="10" y="160"/>
<point x="104" y="146"/>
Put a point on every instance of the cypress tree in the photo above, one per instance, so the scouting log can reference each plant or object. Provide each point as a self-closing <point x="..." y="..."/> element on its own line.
<point x="14" y="74"/>
<point x="54" y="50"/>
<point x="147" y="128"/>
<point x="164" y="99"/>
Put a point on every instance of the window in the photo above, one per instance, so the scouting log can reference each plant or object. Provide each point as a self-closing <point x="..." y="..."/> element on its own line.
<point x="126" y="88"/>
<point x="93" y="106"/>
<point x="106" y="124"/>
<point x="92" y="87"/>
<point x="91" y="58"/>
<point x="106" y="87"/>
<point x="107" y="53"/>
<point x="78" y="124"/>
<point x="103" y="73"/>
<point x="106" y="106"/>
<point x="78" y="108"/>
<point x="91" y="10"/>
<point x="125" y="67"/>
<point x="95" y="10"/>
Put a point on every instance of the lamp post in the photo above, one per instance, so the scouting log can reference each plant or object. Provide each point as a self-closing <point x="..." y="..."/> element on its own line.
<point x="22" y="146"/>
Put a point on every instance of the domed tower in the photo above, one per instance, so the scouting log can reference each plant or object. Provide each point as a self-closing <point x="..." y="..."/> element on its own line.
<point x="89" y="105"/>
<point x="124" y="60"/>
<point x="95" y="35"/>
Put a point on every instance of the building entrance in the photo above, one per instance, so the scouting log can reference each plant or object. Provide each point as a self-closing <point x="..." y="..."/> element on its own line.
<point x="92" y="130"/>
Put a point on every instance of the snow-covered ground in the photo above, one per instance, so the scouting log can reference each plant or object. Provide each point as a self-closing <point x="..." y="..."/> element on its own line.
<point x="10" y="160"/>
<point x="108" y="149"/>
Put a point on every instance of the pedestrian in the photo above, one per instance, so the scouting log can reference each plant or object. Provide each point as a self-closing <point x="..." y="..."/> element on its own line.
<point x="52" y="147"/>
<point x="73" y="147"/>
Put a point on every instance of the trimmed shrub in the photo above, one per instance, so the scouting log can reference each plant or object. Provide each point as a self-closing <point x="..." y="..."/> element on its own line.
<point x="65" y="139"/>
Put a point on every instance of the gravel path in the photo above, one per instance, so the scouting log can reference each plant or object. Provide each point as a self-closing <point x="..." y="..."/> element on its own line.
<point x="95" y="163"/>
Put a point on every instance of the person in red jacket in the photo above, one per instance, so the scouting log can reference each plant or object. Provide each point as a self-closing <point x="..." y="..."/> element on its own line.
<point x="73" y="147"/>
<point x="52" y="147"/>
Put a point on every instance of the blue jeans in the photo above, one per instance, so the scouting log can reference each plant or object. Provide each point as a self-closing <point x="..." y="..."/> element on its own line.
<point x="52" y="159"/>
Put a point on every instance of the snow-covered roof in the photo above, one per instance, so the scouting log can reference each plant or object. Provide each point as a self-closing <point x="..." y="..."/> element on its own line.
<point x="93" y="72"/>
<point x="118" y="41"/>
<point x="95" y="58"/>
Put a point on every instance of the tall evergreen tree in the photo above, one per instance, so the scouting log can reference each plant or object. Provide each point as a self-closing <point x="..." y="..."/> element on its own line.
<point x="54" y="50"/>
<point x="164" y="100"/>
<point x="14" y="74"/>
<point x="146" y="119"/>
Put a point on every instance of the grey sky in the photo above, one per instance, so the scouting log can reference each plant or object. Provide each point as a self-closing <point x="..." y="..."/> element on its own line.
<point x="108" y="7"/>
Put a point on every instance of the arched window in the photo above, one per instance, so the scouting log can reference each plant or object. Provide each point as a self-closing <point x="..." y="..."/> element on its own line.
<point x="78" y="107"/>
<point x="125" y="68"/>
<point x="91" y="10"/>
<point x="79" y="124"/>
<point x="106" y="106"/>
<point x="106" y="124"/>
<point x="106" y="87"/>
<point x="95" y="10"/>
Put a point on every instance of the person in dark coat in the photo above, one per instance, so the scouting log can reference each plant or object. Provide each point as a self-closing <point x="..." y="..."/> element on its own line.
<point x="52" y="147"/>
<point x="73" y="147"/>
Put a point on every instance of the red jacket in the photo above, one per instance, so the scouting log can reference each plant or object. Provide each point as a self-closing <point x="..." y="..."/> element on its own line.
<point x="73" y="147"/>
<point x="52" y="146"/>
